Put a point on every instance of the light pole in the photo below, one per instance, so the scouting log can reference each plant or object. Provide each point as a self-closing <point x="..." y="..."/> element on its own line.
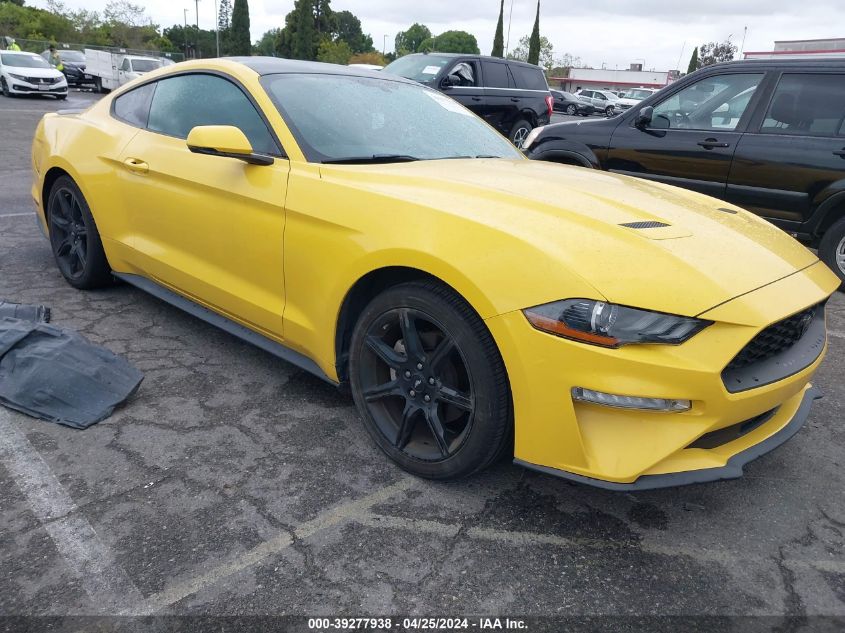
<point x="197" y="6"/>
<point x="217" y="28"/>
<point x="185" y="31"/>
<point x="384" y="46"/>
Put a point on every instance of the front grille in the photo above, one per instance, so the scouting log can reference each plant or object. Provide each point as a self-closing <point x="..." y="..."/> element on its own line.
<point x="733" y="432"/>
<point x="647" y="224"/>
<point x="43" y="80"/>
<point x="775" y="339"/>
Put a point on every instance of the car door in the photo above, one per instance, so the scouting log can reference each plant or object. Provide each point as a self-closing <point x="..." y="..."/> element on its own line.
<point x="122" y="72"/>
<point x="794" y="151"/>
<point x="470" y="91"/>
<point x="206" y="226"/>
<point x="692" y="136"/>
<point x="502" y="99"/>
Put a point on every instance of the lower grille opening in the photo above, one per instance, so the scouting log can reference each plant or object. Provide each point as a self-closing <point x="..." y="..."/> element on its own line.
<point x="720" y="437"/>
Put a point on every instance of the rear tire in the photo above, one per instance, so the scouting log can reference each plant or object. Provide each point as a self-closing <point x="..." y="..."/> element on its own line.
<point x="571" y="110"/>
<point x="519" y="132"/>
<point x="5" y="87"/>
<point x="832" y="248"/>
<point x="429" y="382"/>
<point x="75" y="241"/>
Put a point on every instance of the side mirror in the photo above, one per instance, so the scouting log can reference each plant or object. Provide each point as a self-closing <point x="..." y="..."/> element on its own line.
<point x="644" y="117"/>
<point x="224" y="140"/>
<point x="450" y="80"/>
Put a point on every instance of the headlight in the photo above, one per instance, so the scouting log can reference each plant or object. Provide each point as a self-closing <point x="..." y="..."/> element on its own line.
<point x="18" y="77"/>
<point x="609" y="325"/>
<point x="532" y="136"/>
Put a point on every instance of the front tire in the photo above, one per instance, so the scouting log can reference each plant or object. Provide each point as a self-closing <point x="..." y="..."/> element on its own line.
<point x="519" y="132"/>
<point x="429" y="382"/>
<point x="832" y="248"/>
<point x="75" y="241"/>
<point x="5" y="87"/>
<point x="609" y="111"/>
<point x="571" y="110"/>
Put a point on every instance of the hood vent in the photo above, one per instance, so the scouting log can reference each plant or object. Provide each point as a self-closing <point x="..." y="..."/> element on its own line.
<point x="725" y="210"/>
<point x="651" y="224"/>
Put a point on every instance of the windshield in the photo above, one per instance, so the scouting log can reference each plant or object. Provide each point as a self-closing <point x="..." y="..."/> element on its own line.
<point x="422" y="68"/>
<point x="144" y="65"/>
<point x="637" y="94"/>
<point x="344" y="118"/>
<point x="24" y="61"/>
<point x="72" y="56"/>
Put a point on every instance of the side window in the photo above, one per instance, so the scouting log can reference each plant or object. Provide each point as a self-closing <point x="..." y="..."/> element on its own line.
<point x="599" y="96"/>
<point x="467" y="71"/>
<point x="125" y="65"/>
<point x="133" y="107"/>
<point x="529" y="78"/>
<point x="712" y="103"/>
<point x="495" y="75"/>
<point x="809" y="105"/>
<point x="183" y="102"/>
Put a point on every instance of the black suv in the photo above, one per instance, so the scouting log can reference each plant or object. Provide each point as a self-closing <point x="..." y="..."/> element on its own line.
<point x="767" y="135"/>
<point x="511" y="96"/>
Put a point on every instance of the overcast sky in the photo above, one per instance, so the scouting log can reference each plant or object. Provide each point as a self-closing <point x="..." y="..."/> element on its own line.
<point x="611" y="32"/>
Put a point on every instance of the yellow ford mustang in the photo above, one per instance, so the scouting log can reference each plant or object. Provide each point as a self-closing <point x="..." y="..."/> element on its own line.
<point x="372" y="231"/>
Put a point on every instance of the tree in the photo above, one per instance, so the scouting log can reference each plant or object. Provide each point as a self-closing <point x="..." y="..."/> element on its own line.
<point x="409" y="41"/>
<point x="373" y="57"/>
<point x="224" y="15"/>
<point x="267" y="44"/>
<point x="693" y="61"/>
<point x="534" y="43"/>
<point x="334" y="52"/>
<point x="715" y="52"/>
<point x="348" y="29"/>
<point x="239" y="40"/>
<point x="499" y="38"/>
<point x="303" y="40"/>
<point x="546" y="60"/>
<point x="451" y="42"/>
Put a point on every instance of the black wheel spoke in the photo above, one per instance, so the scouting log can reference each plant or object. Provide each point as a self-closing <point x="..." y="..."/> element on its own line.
<point x="410" y="335"/>
<point x="385" y="352"/>
<point x="65" y="206"/>
<point x="406" y="426"/>
<point x="82" y="254"/>
<point x="432" y="418"/>
<point x="60" y="222"/>
<point x="383" y="391"/>
<point x="440" y="352"/>
<point x="65" y="247"/>
<point x="455" y="398"/>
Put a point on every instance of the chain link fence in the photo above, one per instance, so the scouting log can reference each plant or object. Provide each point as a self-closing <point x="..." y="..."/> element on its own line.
<point x="39" y="46"/>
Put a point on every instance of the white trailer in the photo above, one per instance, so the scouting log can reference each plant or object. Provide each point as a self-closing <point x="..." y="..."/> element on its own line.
<point x="113" y="69"/>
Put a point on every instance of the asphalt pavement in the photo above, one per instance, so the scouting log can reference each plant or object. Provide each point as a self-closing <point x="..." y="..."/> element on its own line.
<point x="235" y="484"/>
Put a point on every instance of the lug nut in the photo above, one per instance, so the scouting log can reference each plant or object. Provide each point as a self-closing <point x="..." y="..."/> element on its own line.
<point x="412" y="393"/>
<point x="419" y="365"/>
<point x="431" y="381"/>
<point x="407" y="374"/>
<point x="427" y="398"/>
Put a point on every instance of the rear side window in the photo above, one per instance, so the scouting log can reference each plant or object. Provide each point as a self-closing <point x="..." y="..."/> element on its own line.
<point x="183" y="102"/>
<point x="133" y="107"/>
<point x="529" y="78"/>
<point x="807" y="105"/>
<point x="496" y="75"/>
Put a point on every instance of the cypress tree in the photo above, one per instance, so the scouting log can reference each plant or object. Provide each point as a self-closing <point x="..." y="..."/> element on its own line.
<point x="305" y="35"/>
<point x="534" y="43"/>
<point x="693" y="61"/>
<point x="239" y="40"/>
<point x="499" y="39"/>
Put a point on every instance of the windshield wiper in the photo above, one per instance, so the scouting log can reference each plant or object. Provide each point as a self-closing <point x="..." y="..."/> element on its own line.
<point x="375" y="158"/>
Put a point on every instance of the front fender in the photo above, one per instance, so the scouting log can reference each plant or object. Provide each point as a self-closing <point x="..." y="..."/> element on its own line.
<point x="563" y="150"/>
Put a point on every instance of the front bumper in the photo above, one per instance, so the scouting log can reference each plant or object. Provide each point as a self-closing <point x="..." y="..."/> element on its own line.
<point x="637" y="449"/>
<point x="17" y="86"/>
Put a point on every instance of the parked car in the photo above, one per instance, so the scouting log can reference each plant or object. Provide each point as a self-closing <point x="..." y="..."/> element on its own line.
<point x="511" y="96"/>
<point x="27" y="73"/>
<point x="603" y="101"/>
<point x="768" y="135"/>
<point x="638" y="94"/>
<point x="367" y="66"/>
<point x="610" y="331"/>
<point x="111" y="69"/>
<point x="74" y="66"/>
<point x="570" y="104"/>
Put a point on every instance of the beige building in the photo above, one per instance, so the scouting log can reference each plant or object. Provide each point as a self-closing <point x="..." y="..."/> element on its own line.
<point x="831" y="47"/>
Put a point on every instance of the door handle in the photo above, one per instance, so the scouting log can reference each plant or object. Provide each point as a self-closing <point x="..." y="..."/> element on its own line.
<point x="710" y="143"/>
<point x="515" y="99"/>
<point x="840" y="153"/>
<point x="476" y="98"/>
<point x="136" y="166"/>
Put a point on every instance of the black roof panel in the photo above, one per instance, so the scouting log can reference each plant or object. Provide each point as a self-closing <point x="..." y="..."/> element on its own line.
<point x="279" y="65"/>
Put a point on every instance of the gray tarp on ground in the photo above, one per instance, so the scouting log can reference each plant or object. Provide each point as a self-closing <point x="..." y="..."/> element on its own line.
<point x="57" y="375"/>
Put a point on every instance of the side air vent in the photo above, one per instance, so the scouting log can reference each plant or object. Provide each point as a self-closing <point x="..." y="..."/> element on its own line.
<point x="724" y="210"/>
<point x="651" y="224"/>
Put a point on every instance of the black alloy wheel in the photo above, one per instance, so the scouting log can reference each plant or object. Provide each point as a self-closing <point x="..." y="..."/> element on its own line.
<point x="74" y="239"/>
<point x="424" y="382"/>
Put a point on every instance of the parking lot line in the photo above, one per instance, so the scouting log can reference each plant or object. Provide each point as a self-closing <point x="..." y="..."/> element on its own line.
<point x="86" y="556"/>
<point x="350" y="511"/>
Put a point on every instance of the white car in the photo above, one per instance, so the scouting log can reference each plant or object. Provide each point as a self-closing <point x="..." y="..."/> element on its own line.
<point x="604" y="101"/>
<point x="27" y="73"/>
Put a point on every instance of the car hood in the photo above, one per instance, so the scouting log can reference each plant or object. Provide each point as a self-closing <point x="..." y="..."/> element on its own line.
<point x="628" y="102"/>
<point x="707" y="253"/>
<point x="34" y="72"/>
